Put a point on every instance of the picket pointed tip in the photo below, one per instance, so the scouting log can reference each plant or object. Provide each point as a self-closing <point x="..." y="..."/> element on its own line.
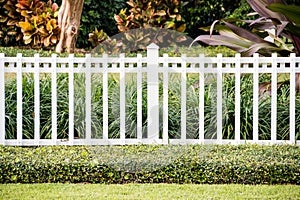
<point x="152" y="46"/>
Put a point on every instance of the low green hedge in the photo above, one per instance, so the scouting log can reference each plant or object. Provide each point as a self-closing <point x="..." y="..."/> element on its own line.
<point x="212" y="164"/>
<point x="194" y="51"/>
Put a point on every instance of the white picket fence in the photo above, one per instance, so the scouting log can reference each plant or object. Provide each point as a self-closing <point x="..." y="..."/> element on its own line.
<point x="155" y="65"/>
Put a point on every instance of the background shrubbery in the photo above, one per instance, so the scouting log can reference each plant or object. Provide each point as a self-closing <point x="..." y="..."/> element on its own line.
<point x="100" y="15"/>
<point x="212" y="164"/>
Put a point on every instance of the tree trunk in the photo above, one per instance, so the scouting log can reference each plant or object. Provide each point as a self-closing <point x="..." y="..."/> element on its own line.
<point x="69" y="21"/>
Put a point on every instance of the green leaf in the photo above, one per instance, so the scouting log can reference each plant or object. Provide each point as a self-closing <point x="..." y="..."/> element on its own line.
<point x="292" y="12"/>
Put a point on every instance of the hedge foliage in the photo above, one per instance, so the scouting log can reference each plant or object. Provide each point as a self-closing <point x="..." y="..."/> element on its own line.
<point x="210" y="164"/>
<point x="100" y="15"/>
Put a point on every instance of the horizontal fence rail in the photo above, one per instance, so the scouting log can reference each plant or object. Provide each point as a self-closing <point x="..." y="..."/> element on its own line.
<point x="88" y="119"/>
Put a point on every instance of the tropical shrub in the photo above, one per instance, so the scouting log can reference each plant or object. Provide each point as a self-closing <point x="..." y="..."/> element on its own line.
<point x="149" y="17"/>
<point x="28" y="22"/>
<point x="284" y="19"/>
<point x="158" y="13"/>
<point x="39" y="24"/>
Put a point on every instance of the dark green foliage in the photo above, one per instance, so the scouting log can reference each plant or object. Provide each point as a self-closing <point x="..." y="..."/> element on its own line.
<point x="200" y="164"/>
<point x="200" y="13"/>
<point x="98" y="15"/>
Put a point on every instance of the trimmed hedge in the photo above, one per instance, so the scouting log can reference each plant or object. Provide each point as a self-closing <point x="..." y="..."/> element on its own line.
<point x="212" y="164"/>
<point x="194" y="51"/>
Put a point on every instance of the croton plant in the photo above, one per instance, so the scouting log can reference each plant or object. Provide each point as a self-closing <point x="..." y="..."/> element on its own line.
<point x="31" y="22"/>
<point x="39" y="24"/>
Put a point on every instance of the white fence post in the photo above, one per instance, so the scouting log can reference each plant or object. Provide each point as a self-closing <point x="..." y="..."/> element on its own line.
<point x="36" y="99"/>
<point x="152" y="92"/>
<point x="2" y="100"/>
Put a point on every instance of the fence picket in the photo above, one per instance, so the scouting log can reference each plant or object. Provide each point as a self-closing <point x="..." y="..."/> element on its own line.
<point x="183" y="97"/>
<point x="54" y="99"/>
<point x="292" y="98"/>
<point x="105" y="97"/>
<point x="201" y="98"/>
<point x="36" y="99"/>
<point x="2" y="100"/>
<point x="237" y="108"/>
<point x="122" y="98"/>
<point x="71" y="99"/>
<point x="88" y="99"/>
<point x="139" y="98"/>
<point x="255" y="97"/>
<point x="165" y="99"/>
<point x="274" y="99"/>
<point x="19" y="99"/>
<point x="219" y="98"/>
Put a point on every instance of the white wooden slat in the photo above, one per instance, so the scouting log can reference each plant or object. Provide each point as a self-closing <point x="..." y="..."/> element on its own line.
<point x="152" y="93"/>
<point x="19" y="100"/>
<point x="165" y="100"/>
<point x="255" y="96"/>
<point x="139" y="98"/>
<point x="88" y="99"/>
<point x="201" y="98"/>
<point x="2" y="100"/>
<point x="105" y="98"/>
<point x="54" y="99"/>
<point x="237" y="108"/>
<point x="274" y="99"/>
<point x="36" y="99"/>
<point x="292" y="98"/>
<point x="71" y="98"/>
<point x="183" y="97"/>
<point x="122" y="99"/>
<point x="219" y="99"/>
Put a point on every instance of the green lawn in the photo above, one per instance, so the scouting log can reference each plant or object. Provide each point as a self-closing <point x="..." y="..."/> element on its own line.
<point x="147" y="191"/>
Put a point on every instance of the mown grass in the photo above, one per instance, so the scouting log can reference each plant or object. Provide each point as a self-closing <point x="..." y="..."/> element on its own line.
<point x="147" y="191"/>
